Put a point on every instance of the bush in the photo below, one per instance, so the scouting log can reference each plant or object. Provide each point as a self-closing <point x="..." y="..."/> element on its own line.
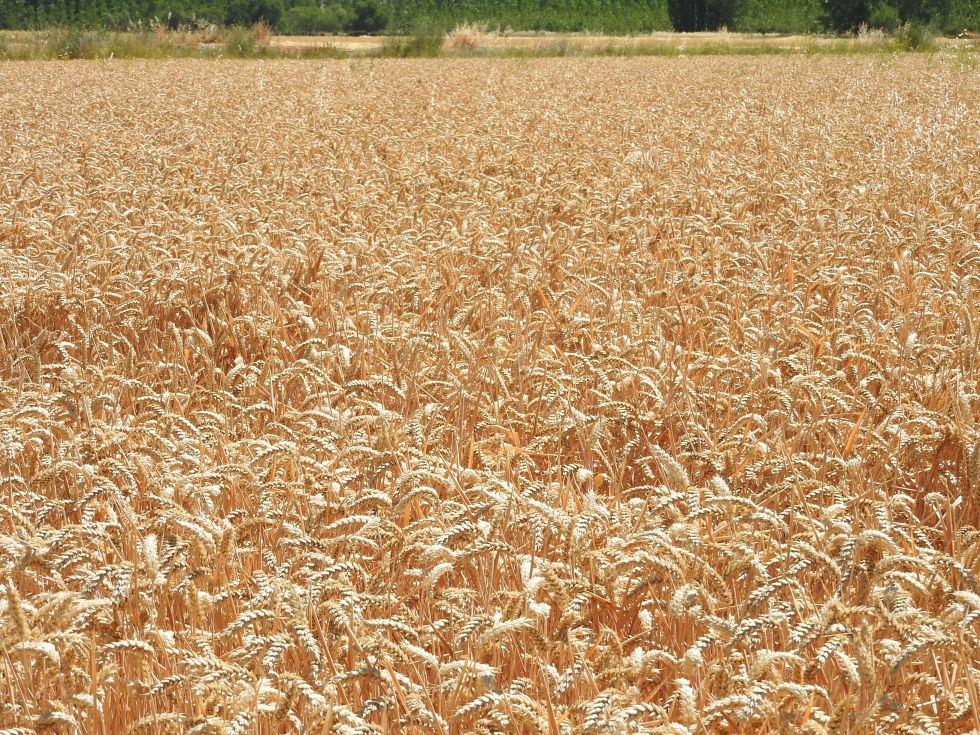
<point x="884" y="17"/>
<point x="425" y="44"/>
<point x="915" y="36"/>
<point x="247" y="13"/>
<point x="74" y="43"/>
<point x="310" y="20"/>
<point x="244" y="43"/>
<point x="369" y="16"/>
<point x="466" y="36"/>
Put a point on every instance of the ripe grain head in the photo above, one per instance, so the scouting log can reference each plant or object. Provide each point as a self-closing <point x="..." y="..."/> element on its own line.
<point x="572" y="396"/>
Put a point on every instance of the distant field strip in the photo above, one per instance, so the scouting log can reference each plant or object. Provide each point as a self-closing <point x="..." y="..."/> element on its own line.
<point x="490" y="396"/>
<point x="465" y="41"/>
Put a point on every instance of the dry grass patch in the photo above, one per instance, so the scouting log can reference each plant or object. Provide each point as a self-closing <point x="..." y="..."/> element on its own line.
<point x="565" y="396"/>
<point x="466" y="37"/>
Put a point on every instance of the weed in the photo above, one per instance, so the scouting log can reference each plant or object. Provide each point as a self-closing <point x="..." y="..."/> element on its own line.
<point x="74" y="43"/>
<point x="425" y="44"/>
<point x="915" y="36"/>
<point x="242" y="43"/>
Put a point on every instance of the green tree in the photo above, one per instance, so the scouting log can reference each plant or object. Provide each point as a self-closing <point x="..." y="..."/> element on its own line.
<point x="701" y="15"/>
<point x="369" y="16"/>
<point x="846" y="15"/>
<point x="686" y="15"/>
<point x="250" y="12"/>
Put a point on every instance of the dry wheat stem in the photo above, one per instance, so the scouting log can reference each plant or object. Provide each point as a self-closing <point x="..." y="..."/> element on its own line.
<point x="578" y="396"/>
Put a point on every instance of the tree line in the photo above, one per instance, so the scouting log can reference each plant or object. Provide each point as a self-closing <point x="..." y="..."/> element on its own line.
<point x="611" y="16"/>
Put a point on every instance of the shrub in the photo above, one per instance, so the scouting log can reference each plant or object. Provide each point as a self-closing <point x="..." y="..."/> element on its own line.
<point x="424" y="44"/>
<point x="915" y="36"/>
<point x="239" y="42"/>
<point x="74" y="43"/>
<point x="466" y="36"/>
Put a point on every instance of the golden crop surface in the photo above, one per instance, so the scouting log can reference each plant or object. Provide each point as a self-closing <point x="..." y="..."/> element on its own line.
<point x="573" y="396"/>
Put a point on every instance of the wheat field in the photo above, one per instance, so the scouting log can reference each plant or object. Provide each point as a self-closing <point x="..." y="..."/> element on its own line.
<point x="481" y="396"/>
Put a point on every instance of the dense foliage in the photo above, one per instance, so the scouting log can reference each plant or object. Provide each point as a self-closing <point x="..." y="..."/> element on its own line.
<point x="701" y="15"/>
<point x="948" y="15"/>
<point x="615" y="16"/>
<point x="618" y="16"/>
